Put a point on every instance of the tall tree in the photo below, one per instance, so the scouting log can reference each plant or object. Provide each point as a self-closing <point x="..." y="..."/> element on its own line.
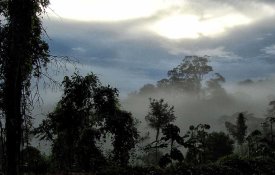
<point x="189" y="74"/>
<point x="241" y="129"/>
<point x="159" y="115"/>
<point x="23" y="54"/>
<point x="238" y="130"/>
<point x="87" y="111"/>
<point x="74" y="119"/>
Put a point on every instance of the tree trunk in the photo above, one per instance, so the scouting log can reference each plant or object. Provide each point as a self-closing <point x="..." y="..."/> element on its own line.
<point x="20" y="14"/>
<point x="271" y="132"/>
<point x="157" y="141"/>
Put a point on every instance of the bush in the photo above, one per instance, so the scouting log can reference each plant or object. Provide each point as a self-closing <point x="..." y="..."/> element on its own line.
<point x="131" y="171"/>
<point x="207" y="169"/>
<point x="260" y="165"/>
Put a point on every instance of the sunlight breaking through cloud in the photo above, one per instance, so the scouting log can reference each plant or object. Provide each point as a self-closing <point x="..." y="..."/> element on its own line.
<point x="191" y="26"/>
<point x="173" y="19"/>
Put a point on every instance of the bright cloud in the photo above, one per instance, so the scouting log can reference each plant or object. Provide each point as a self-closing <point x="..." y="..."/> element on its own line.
<point x="172" y="19"/>
<point x="192" y="26"/>
<point x="105" y="10"/>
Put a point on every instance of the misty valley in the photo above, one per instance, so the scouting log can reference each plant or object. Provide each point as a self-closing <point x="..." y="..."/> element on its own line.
<point x="131" y="87"/>
<point x="187" y="123"/>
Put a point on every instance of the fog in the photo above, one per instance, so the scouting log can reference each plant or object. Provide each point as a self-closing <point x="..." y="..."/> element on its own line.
<point x="252" y="96"/>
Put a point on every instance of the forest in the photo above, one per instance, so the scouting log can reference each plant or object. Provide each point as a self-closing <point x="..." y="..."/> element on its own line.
<point x="92" y="131"/>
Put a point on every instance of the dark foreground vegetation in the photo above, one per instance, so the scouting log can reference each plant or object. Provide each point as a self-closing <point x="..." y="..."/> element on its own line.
<point x="90" y="133"/>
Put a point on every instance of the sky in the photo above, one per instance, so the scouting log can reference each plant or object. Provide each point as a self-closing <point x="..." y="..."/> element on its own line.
<point x="129" y="43"/>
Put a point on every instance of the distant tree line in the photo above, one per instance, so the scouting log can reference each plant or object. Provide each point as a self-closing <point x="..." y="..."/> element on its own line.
<point x="189" y="78"/>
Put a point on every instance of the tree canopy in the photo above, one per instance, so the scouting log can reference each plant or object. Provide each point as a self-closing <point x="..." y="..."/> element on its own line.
<point x="85" y="113"/>
<point x="189" y="74"/>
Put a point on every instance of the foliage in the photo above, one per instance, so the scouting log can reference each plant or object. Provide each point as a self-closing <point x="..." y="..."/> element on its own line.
<point x="88" y="156"/>
<point x="269" y="120"/>
<point x="171" y="133"/>
<point x="86" y="112"/>
<point x="196" y="143"/>
<point x="218" y="145"/>
<point x="149" y="158"/>
<point x="131" y="170"/>
<point x="33" y="161"/>
<point x="257" y="144"/>
<point x="189" y="74"/>
<point x="245" y="166"/>
<point x="159" y="115"/>
<point x="165" y="160"/>
<point x="23" y="55"/>
<point x="122" y="125"/>
<point x="238" y="131"/>
<point x="73" y="117"/>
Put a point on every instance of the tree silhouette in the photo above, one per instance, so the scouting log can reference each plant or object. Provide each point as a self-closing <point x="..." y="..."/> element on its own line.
<point x="86" y="112"/>
<point x="23" y="54"/>
<point x="257" y="144"/>
<point x="171" y="133"/>
<point x="196" y="143"/>
<point x="218" y="145"/>
<point x="122" y="125"/>
<point x="189" y="74"/>
<point x="159" y="115"/>
<point x="241" y="129"/>
<point x="74" y="119"/>
<point x="238" y="131"/>
<point x="88" y="156"/>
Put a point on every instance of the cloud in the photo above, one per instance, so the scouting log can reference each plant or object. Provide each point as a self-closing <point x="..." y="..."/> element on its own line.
<point x="217" y="54"/>
<point x="269" y="50"/>
<point x="79" y="49"/>
<point x="108" y="11"/>
<point x="126" y="46"/>
<point x="127" y="55"/>
<point x="174" y="19"/>
<point x="208" y="18"/>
